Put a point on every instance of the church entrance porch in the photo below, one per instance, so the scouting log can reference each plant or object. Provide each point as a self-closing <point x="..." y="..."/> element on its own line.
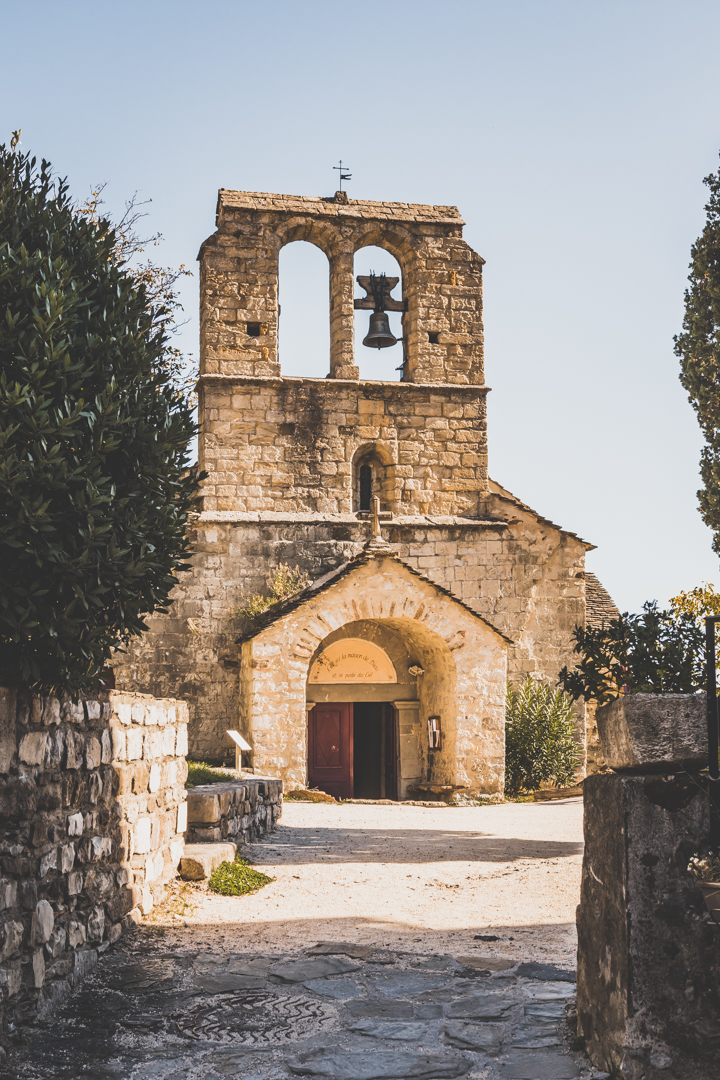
<point x="352" y="749"/>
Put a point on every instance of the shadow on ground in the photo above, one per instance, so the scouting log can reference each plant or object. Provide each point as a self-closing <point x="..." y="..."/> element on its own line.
<point x="336" y="844"/>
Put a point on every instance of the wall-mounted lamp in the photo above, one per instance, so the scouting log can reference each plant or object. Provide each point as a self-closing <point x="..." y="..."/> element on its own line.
<point x="434" y="733"/>
<point x="240" y="745"/>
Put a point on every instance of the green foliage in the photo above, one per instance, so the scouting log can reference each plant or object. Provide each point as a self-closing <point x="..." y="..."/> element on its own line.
<point x="237" y="878"/>
<point x="656" y="652"/>
<point x="705" y="867"/>
<point x="199" y="772"/>
<point x="697" y="602"/>
<point x="283" y="582"/>
<point x="540" y="743"/>
<point x="698" y="348"/>
<point x="95" y="488"/>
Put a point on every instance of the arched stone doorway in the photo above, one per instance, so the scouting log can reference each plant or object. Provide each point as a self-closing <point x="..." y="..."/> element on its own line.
<point x="363" y="706"/>
<point x="450" y="668"/>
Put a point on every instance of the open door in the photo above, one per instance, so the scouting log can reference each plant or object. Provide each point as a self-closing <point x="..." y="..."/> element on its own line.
<point x="330" y="749"/>
<point x="390" y="750"/>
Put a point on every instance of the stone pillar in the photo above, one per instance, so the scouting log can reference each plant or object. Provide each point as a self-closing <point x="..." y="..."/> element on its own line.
<point x="342" y="318"/>
<point x="648" y="952"/>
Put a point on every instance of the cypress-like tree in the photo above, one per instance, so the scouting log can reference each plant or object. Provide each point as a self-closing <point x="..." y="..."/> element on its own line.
<point x="95" y="484"/>
<point x="699" y="350"/>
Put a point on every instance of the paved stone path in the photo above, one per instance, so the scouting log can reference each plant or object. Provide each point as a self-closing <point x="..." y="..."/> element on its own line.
<point x="221" y="987"/>
<point x="344" y="1012"/>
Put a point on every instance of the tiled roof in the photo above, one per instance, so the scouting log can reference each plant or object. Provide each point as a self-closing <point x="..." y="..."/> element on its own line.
<point x="600" y="608"/>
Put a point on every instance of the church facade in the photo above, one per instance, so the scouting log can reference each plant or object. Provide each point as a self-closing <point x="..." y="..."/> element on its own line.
<point x="429" y="585"/>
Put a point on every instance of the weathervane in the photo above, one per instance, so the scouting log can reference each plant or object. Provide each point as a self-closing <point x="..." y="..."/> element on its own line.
<point x="344" y="175"/>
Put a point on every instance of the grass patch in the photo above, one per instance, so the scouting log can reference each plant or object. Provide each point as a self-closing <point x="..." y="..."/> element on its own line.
<point x="199" y="772"/>
<point x="237" y="878"/>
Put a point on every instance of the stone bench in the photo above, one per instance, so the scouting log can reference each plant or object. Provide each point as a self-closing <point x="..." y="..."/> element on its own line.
<point x="237" y="811"/>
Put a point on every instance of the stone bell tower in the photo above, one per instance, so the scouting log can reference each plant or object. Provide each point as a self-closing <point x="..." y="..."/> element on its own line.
<point x="271" y="443"/>
<point x="292" y="467"/>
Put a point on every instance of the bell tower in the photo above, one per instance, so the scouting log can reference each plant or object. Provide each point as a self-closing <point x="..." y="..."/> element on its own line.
<point x="318" y="446"/>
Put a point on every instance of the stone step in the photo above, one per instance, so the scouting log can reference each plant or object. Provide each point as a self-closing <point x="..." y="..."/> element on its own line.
<point x="199" y="860"/>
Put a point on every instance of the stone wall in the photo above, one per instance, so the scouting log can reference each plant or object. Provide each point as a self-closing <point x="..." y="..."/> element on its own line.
<point x="239" y="811"/>
<point x="93" y="808"/>
<point x="291" y="445"/>
<point x="648" y="952"/>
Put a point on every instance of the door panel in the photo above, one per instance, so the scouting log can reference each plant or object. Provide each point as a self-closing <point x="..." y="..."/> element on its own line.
<point x="330" y="749"/>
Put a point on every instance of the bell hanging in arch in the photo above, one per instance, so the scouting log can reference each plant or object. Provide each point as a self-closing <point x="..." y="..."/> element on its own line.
<point x="379" y="336"/>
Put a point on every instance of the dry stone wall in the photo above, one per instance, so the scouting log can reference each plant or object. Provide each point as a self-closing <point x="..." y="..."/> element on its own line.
<point x="93" y="808"/>
<point x="238" y="811"/>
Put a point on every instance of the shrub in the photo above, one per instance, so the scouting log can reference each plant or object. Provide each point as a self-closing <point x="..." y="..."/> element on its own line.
<point x="95" y="488"/>
<point x="283" y="582"/>
<point x="657" y="652"/>
<point x="540" y="743"/>
<point x="237" y="878"/>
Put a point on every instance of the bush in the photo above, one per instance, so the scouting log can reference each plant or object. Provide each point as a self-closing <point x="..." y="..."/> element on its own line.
<point x="657" y="652"/>
<point x="237" y="878"/>
<point x="283" y="582"/>
<point x="540" y="743"/>
<point x="95" y="488"/>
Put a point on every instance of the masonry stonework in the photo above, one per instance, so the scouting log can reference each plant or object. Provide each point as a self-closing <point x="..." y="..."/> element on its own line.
<point x="93" y="806"/>
<point x="282" y="457"/>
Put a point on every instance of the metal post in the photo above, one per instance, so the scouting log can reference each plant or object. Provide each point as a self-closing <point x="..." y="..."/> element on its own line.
<point x="713" y="733"/>
<point x="712" y="712"/>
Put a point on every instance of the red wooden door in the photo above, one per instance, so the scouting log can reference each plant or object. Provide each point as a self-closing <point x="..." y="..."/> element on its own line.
<point x="330" y="749"/>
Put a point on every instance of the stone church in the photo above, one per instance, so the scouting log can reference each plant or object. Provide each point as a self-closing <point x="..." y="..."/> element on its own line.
<point x="429" y="584"/>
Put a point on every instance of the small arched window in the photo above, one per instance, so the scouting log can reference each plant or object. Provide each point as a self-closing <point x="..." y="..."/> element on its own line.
<point x="365" y="484"/>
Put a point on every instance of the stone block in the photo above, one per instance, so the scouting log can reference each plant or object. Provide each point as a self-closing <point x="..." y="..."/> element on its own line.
<point x="654" y="732"/>
<point x="93" y="752"/>
<point x="134" y="744"/>
<point x="8" y="894"/>
<point x="75" y="825"/>
<point x="106" y="747"/>
<point x="142" y="835"/>
<point x="48" y="862"/>
<point x="32" y="748"/>
<point x="182" y="818"/>
<point x="11" y="935"/>
<point x="203" y="806"/>
<point x="199" y="860"/>
<point x="8" y="737"/>
<point x="648" y="953"/>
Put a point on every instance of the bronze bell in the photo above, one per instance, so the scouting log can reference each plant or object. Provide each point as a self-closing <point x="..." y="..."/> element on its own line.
<point x="379" y="336"/>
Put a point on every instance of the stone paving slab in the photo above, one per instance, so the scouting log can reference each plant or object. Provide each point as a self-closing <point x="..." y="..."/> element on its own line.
<point x="193" y="1013"/>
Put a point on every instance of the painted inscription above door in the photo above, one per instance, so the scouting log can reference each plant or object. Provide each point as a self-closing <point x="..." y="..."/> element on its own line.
<point x="352" y="660"/>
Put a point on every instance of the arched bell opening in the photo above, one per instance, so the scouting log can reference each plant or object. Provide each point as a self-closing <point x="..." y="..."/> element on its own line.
<point x="379" y="349"/>
<point x="303" y="313"/>
<point x="375" y="688"/>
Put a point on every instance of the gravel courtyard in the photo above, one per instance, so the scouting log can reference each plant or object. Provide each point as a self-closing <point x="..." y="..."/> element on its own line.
<point x="415" y="877"/>
<point x="396" y="941"/>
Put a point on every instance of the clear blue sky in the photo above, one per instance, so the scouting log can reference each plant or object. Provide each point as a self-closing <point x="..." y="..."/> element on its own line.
<point x="572" y="136"/>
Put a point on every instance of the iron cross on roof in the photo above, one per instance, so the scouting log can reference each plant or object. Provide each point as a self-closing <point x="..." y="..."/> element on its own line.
<point x="344" y="174"/>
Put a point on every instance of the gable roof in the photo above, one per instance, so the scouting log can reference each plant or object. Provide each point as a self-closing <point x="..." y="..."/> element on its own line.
<point x="372" y="550"/>
<point x="507" y="496"/>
